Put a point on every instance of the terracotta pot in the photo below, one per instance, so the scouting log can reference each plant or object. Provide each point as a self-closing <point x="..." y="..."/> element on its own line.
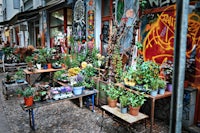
<point x="112" y="103"/>
<point x="63" y="65"/>
<point x="134" y="110"/>
<point x="28" y="101"/>
<point x="49" y="65"/>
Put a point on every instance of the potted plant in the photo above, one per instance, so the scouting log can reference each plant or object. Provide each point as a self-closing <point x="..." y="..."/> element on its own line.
<point x="78" y="85"/>
<point x="89" y="72"/>
<point x="167" y="67"/>
<point x="161" y="86"/>
<point x="66" y="61"/>
<point x="129" y="77"/>
<point x="49" y="55"/>
<point x="27" y="93"/>
<point x="59" y="74"/>
<point x="39" y="59"/>
<point x="124" y="101"/>
<point x="9" y="79"/>
<point x="135" y="102"/>
<point x="113" y="94"/>
<point x="19" y="76"/>
<point x="29" y="61"/>
<point x="154" y="86"/>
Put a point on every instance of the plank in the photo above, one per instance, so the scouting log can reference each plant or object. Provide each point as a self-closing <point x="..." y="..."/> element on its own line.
<point x="126" y="117"/>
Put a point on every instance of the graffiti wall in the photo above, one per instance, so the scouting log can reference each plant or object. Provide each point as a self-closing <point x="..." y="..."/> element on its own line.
<point x="158" y="30"/>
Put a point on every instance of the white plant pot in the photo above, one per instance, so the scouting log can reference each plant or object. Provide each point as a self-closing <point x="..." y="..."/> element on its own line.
<point x="39" y="66"/>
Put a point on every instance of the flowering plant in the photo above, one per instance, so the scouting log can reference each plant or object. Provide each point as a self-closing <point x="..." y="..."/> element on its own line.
<point x="78" y="81"/>
<point x="168" y="70"/>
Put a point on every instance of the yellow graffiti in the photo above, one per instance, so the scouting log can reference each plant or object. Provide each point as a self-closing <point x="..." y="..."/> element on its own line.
<point x="158" y="44"/>
<point x="154" y="36"/>
<point x="160" y="35"/>
<point x="166" y="19"/>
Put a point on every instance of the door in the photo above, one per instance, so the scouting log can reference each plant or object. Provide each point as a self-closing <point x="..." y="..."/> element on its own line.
<point x="106" y="28"/>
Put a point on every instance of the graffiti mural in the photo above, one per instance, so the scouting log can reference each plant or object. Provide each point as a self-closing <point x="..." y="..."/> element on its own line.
<point x="158" y="37"/>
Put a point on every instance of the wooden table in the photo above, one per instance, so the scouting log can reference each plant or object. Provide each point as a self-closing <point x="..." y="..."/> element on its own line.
<point x="152" y="98"/>
<point x="49" y="102"/>
<point x="126" y="117"/>
<point x="39" y="71"/>
<point x="130" y="119"/>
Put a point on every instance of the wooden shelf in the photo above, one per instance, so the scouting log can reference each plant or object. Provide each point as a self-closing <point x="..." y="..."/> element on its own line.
<point x="126" y="117"/>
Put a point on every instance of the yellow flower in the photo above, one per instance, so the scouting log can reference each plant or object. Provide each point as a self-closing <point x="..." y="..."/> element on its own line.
<point x="84" y="65"/>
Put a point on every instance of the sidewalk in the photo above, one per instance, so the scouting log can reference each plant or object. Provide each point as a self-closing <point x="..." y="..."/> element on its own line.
<point x="4" y="126"/>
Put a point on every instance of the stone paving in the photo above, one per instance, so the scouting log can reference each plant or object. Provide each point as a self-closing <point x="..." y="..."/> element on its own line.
<point x="67" y="117"/>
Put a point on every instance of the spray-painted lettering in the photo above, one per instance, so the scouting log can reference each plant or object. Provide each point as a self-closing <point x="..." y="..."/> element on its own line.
<point x="160" y="3"/>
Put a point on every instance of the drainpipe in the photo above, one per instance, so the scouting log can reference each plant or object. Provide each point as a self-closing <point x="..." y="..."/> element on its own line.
<point x="182" y="7"/>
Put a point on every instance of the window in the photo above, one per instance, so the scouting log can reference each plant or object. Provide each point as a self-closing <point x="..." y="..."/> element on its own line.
<point x="60" y="26"/>
<point x="16" y="4"/>
<point x="57" y="18"/>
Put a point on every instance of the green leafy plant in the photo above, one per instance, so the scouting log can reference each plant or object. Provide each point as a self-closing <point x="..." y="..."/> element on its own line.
<point x="112" y="91"/>
<point x="161" y="83"/>
<point x="79" y="81"/>
<point x="19" y="74"/>
<point x="7" y="50"/>
<point x="146" y="72"/>
<point x="89" y="84"/>
<point x="40" y="59"/>
<point x="67" y="61"/>
<point x="29" y="59"/>
<point x="8" y="77"/>
<point x="136" y="100"/>
<point x="58" y="74"/>
<point x="19" y="91"/>
<point x="124" y="100"/>
<point x="27" y="92"/>
<point x="154" y="84"/>
<point x="88" y="73"/>
<point x="139" y="45"/>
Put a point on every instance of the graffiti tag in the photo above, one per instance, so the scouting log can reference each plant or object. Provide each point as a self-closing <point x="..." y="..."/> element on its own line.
<point x="160" y="3"/>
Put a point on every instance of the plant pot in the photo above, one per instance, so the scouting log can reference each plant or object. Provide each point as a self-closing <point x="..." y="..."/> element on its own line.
<point x="63" y="65"/>
<point x="39" y="66"/>
<point x="134" y="110"/>
<point x="28" y="101"/>
<point x="20" y="81"/>
<point x="112" y="103"/>
<point x="124" y="110"/>
<point x="169" y="87"/>
<point x="154" y="93"/>
<point x="78" y="90"/>
<point x="45" y="66"/>
<point x="161" y="91"/>
<point x="49" y="65"/>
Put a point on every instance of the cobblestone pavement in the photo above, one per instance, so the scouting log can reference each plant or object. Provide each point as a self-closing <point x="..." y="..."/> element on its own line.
<point x="67" y="117"/>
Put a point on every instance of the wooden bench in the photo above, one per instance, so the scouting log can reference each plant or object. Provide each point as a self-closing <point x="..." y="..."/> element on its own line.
<point x="130" y="119"/>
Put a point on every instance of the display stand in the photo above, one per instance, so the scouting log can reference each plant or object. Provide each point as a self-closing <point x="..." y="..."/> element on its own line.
<point x="49" y="102"/>
<point x="6" y="86"/>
